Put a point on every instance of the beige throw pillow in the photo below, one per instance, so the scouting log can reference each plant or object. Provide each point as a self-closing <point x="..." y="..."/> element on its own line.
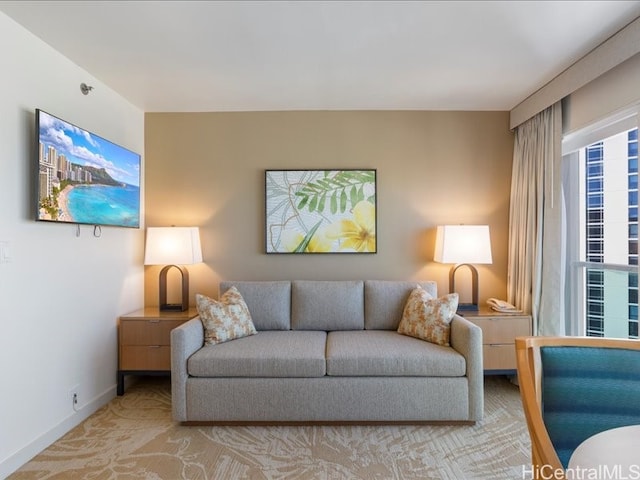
<point x="225" y="319"/>
<point x="428" y="318"/>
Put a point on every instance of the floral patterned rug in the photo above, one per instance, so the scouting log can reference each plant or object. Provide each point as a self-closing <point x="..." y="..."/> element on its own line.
<point x="133" y="437"/>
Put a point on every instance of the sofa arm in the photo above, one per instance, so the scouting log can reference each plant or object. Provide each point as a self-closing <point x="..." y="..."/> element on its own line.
<point x="466" y="338"/>
<point x="186" y="339"/>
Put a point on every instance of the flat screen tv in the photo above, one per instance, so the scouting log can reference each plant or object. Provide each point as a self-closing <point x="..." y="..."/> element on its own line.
<point x="83" y="178"/>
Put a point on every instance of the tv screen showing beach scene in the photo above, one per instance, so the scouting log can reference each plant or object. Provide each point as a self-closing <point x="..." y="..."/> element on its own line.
<point x="83" y="178"/>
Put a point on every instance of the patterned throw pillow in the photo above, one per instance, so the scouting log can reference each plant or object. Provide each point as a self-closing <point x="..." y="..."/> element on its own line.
<point x="428" y="318"/>
<point x="225" y="319"/>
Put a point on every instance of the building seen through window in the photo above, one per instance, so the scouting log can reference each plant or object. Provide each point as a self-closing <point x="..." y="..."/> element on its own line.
<point x="609" y="170"/>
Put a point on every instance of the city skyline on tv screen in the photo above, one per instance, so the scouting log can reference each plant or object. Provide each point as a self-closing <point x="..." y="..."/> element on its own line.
<point x="83" y="178"/>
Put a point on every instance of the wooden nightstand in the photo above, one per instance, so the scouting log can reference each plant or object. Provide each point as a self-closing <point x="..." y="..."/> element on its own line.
<point x="144" y="346"/>
<point x="499" y="331"/>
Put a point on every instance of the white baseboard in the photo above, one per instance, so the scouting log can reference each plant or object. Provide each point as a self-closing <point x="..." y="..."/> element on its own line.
<point x="22" y="456"/>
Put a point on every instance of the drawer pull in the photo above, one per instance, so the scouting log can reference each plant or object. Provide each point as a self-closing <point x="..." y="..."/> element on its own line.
<point x="154" y="321"/>
<point x="154" y="346"/>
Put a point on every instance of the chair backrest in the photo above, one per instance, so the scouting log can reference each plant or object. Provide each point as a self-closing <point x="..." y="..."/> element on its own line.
<point x="573" y="388"/>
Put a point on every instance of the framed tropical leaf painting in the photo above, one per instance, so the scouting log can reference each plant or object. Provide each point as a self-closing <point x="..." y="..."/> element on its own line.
<point x="320" y="211"/>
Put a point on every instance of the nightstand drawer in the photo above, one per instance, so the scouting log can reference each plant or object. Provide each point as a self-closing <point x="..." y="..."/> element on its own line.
<point x="499" y="331"/>
<point x="149" y="357"/>
<point x="499" y="357"/>
<point x="144" y="341"/>
<point x="147" y="332"/>
<point x="496" y="330"/>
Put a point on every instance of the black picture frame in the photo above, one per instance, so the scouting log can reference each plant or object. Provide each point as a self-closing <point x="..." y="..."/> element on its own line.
<point x="321" y="211"/>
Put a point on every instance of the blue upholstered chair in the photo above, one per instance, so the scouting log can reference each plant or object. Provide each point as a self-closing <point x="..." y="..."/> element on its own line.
<point x="573" y="388"/>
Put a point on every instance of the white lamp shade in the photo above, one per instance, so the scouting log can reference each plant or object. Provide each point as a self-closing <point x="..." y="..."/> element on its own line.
<point x="172" y="246"/>
<point x="463" y="244"/>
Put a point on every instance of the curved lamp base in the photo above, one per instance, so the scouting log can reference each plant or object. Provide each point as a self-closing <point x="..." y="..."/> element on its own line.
<point x="466" y="307"/>
<point x="174" y="307"/>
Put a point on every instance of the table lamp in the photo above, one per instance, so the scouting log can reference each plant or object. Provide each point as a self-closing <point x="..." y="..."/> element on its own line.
<point x="463" y="245"/>
<point x="173" y="247"/>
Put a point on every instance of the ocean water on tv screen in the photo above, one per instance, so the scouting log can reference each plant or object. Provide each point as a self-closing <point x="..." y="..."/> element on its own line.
<point x="105" y="205"/>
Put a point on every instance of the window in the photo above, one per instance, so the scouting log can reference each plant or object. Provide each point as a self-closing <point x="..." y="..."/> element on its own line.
<point x="595" y="200"/>
<point x="595" y="276"/>
<point x="602" y="252"/>
<point x="595" y="292"/>
<point x="594" y="215"/>
<point x="594" y="230"/>
<point x="595" y="185"/>
<point x="594" y="170"/>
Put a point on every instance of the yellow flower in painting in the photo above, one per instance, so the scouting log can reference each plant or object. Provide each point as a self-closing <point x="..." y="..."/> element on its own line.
<point x="318" y="243"/>
<point x="359" y="233"/>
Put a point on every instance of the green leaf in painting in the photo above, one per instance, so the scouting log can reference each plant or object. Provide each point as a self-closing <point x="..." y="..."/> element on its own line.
<point x="366" y="176"/>
<point x="353" y="194"/>
<point x="334" y="202"/>
<point x="322" y="202"/>
<point x="343" y="187"/>
<point x="303" y="202"/>
<point x="302" y="246"/>
<point x="313" y="203"/>
<point x="342" y="178"/>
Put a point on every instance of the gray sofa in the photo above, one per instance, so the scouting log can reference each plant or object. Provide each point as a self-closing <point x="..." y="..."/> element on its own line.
<point x="326" y="351"/>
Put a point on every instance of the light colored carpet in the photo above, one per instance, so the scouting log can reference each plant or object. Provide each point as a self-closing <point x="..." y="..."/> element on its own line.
<point x="133" y="437"/>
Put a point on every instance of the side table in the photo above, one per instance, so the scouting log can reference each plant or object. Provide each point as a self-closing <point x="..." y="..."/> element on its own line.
<point x="499" y="331"/>
<point x="144" y="342"/>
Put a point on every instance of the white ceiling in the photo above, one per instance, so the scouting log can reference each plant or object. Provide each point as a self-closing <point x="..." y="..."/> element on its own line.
<point x="185" y="56"/>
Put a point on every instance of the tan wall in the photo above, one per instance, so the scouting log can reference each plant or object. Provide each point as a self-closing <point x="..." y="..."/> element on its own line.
<point x="207" y="170"/>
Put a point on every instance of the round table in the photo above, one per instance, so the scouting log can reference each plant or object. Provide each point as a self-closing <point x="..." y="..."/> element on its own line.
<point x="614" y="450"/>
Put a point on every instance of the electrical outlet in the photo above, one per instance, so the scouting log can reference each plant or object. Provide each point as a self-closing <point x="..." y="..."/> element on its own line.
<point x="75" y="398"/>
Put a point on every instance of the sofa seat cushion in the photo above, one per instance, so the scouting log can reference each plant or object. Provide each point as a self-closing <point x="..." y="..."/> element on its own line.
<point x="266" y="354"/>
<point x="388" y="353"/>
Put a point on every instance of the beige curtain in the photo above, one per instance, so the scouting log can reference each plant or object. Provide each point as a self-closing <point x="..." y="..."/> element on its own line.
<point x="535" y="280"/>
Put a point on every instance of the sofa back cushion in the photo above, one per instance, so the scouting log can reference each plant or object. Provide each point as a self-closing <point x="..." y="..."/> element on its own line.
<point x="384" y="301"/>
<point x="327" y="305"/>
<point x="269" y="303"/>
